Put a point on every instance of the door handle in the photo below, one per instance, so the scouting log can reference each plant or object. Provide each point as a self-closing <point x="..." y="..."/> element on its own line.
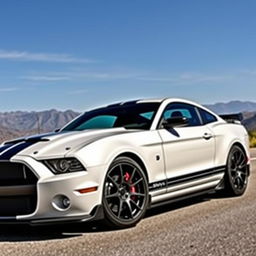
<point x="207" y="136"/>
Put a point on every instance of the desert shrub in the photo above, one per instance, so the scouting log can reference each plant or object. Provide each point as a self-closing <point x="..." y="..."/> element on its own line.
<point x="252" y="136"/>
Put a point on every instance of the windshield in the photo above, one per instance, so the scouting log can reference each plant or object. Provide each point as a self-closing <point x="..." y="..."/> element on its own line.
<point x="129" y="116"/>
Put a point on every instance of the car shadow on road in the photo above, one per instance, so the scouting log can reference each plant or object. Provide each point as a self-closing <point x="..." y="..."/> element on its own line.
<point x="172" y="206"/>
<point x="25" y="233"/>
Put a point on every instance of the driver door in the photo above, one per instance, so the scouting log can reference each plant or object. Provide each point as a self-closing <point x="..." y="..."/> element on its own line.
<point x="187" y="150"/>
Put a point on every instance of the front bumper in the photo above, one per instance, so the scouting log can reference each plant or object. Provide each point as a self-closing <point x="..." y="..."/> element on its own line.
<point x="49" y="188"/>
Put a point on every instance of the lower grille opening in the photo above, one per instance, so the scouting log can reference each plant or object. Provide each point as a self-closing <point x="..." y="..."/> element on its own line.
<point x="18" y="194"/>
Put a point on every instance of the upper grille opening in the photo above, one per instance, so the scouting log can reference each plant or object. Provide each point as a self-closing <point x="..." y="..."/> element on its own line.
<point x="16" y="174"/>
<point x="18" y="194"/>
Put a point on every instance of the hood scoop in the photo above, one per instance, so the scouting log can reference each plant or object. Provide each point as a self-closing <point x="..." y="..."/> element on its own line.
<point x="28" y="139"/>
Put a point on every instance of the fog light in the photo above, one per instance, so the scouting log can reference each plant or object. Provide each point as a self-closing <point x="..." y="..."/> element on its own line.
<point x="61" y="202"/>
<point x="66" y="202"/>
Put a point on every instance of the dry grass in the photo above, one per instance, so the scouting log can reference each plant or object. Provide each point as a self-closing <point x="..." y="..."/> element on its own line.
<point x="252" y="139"/>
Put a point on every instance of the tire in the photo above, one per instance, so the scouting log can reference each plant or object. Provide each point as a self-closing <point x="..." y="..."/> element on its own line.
<point x="236" y="177"/>
<point x="125" y="193"/>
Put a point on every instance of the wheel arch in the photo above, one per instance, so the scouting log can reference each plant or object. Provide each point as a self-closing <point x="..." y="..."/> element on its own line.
<point x="240" y="145"/>
<point x="137" y="159"/>
<point x="225" y="151"/>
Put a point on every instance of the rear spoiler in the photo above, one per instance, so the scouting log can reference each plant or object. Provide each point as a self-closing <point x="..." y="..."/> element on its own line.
<point x="233" y="118"/>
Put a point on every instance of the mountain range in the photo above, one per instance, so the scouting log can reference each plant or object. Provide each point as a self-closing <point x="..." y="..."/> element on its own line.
<point x="41" y="121"/>
<point x="248" y="109"/>
<point x="20" y="123"/>
<point x="233" y="107"/>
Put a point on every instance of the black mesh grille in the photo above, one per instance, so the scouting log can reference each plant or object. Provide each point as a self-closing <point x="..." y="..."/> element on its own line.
<point x="17" y="189"/>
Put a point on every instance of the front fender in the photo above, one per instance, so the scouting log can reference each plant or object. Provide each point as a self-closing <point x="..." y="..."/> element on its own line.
<point x="146" y="145"/>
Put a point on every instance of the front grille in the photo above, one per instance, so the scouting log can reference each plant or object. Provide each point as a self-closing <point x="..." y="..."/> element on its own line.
<point x="18" y="194"/>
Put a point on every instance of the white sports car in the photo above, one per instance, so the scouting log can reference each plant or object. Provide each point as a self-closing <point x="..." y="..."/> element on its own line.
<point x="117" y="161"/>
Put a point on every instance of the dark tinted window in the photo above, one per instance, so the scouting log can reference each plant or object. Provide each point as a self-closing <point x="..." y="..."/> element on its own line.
<point x="183" y="110"/>
<point x="207" y="117"/>
<point x="129" y="116"/>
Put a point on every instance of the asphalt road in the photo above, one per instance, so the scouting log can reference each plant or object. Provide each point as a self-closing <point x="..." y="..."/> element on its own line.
<point x="204" y="226"/>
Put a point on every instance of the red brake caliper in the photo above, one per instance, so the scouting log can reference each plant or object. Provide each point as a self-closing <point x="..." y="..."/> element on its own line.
<point x="127" y="179"/>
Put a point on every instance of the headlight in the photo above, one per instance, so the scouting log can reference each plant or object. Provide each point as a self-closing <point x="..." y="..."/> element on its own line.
<point x="64" y="165"/>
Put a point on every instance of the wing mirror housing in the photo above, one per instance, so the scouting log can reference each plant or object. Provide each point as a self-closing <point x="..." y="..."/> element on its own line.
<point x="179" y="121"/>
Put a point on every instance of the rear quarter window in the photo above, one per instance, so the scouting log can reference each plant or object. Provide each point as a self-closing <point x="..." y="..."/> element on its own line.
<point x="207" y="117"/>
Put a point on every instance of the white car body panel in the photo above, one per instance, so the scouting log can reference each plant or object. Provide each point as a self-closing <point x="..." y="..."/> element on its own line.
<point x="188" y="152"/>
<point x="165" y="157"/>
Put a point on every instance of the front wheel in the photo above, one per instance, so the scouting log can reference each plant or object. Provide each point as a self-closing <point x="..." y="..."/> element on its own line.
<point x="125" y="193"/>
<point x="236" y="178"/>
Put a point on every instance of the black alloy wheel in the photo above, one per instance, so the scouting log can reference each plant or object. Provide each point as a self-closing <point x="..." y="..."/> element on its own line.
<point x="125" y="193"/>
<point x="236" y="179"/>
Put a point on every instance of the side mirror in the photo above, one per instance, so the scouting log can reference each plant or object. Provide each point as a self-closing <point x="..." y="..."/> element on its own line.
<point x="57" y="130"/>
<point x="172" y="122"/>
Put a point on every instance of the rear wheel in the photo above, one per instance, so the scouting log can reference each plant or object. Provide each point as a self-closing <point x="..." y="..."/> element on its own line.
<point x="125" y="193"/>
<point x="236" y="178"/>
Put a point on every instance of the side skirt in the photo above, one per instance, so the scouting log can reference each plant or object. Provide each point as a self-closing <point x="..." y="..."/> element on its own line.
<point x="180" y="198"/>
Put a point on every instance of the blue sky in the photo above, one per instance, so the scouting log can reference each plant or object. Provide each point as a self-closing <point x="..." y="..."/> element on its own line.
<point x="80" y="54"/>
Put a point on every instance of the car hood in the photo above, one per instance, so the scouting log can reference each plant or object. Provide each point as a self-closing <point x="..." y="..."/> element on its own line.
<point x="52" y="145"/>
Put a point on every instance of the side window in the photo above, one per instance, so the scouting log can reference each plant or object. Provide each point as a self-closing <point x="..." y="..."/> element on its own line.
<point x="148" y="115"/>
<point x="184" y="110"/>
<point x="207" y="117"/>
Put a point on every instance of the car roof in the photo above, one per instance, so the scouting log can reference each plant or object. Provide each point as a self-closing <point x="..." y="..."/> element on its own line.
<point x="162" y="101"/>
<point x="165" y="102"/>
<point x="138" y="101"/>
<point x="156" y="100"/>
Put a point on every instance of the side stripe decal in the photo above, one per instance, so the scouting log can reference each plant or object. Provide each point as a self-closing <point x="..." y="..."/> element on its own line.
<point x="185" y="178"/>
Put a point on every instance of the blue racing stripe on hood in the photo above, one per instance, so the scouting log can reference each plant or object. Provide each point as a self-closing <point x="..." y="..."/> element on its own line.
<point x="13" y="147"/>
<point x="5" y="147"/>
<point x="33" y="138"/>
<point x="13" y="150"/>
